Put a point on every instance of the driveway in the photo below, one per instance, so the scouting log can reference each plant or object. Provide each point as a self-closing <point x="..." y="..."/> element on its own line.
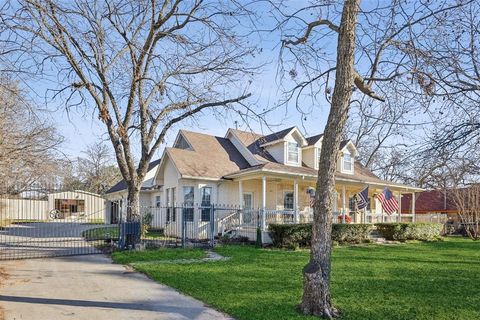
<point x="44" y="239"/>
<point x="89" y="287"/>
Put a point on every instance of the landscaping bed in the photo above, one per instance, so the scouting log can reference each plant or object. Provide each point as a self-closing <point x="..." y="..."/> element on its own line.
<point x="425" y="280"/>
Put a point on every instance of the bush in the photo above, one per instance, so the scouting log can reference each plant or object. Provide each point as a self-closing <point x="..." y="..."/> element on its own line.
<point x="410" y="231"/>
<point x="300" y="235"/>
<point x="351" y="233"/>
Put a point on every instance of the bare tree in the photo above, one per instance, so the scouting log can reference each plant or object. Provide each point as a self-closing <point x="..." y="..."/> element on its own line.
<point x="144" y="65"/>
<point x="467" y="201"/>
<point x="367" y="55"/>
<point x="95" y="170"/>
<point x="28" y="144"/>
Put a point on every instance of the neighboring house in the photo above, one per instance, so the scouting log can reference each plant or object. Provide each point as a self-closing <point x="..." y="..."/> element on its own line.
<point x="432" y="202"/>
<point x="268" y="172"/>
<point x="72" y="205"/>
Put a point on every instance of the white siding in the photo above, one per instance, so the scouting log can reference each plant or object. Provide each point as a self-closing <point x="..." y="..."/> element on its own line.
<point x="308" y="156"/>
<point x="278" y="151"/>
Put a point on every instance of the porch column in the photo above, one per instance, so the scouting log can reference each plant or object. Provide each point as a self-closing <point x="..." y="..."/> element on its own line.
<point x="399" y="217"/>
<point x="344" y="203"/>
<point x="240" y="194"/>
<point x="295" y="201"/>
<point x="264" y="203"/>
<point x="413" y="206"/>
<point x="240" y="197"/>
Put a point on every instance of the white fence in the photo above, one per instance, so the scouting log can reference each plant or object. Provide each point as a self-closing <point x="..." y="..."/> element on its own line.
<point x="24" y="209"/>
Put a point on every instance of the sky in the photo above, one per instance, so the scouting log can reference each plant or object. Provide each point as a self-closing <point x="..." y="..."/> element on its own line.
<point x="81" y="128"/>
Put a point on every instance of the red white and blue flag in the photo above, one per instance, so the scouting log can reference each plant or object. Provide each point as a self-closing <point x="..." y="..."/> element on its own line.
<point x="388" y="201"/>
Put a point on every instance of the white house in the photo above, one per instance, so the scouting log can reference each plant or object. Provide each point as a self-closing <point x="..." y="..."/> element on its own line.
<point x="252" y="171"/>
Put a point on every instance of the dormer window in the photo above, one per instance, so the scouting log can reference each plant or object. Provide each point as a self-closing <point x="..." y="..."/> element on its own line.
<point x="182" y="143"/>
<point x="347" y="162"/>
<point x="292" y="152"/>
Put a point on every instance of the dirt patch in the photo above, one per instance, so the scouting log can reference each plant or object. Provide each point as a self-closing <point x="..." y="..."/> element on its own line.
<point x="3" y="279"/>
<point x="3" y="276"/>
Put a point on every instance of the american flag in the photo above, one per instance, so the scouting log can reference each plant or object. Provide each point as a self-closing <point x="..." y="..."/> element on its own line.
<point x="388" y="201"/>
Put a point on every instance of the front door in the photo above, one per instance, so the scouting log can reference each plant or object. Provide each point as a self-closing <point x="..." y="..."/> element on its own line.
<point x="248" y="207"/>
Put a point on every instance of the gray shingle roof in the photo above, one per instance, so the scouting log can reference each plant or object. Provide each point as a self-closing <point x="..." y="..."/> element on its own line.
<point x="122" y="185"/>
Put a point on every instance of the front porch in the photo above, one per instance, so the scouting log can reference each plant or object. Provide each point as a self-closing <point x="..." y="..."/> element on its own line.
<point x="283" y="199"/>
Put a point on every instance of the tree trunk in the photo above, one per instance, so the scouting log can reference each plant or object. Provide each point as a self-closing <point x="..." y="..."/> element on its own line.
<point x="133" y="211"/>
<point x="316" y="298"/>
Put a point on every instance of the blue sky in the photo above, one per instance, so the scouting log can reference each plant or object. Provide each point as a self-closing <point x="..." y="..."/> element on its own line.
<point x="81" y="128"/>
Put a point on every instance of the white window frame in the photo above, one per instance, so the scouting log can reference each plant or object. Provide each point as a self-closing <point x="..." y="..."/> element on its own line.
<point x="344" y="162"/>
<point x="297" y="152"/>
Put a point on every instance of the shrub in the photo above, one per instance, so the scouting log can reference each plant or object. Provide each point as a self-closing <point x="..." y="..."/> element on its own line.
<point x="410" y="231"/>
<point x="351" y="233"/>
<point x="300" y="235"/>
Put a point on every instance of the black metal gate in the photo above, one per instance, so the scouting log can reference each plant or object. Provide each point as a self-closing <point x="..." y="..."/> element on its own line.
<point x="40" y="222"/>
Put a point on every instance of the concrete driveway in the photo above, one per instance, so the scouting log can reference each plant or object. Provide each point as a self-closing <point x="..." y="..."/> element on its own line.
<point x="89" y="287"/>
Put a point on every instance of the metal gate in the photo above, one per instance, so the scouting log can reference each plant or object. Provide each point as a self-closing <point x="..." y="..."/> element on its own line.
<point x="47" y="222"/>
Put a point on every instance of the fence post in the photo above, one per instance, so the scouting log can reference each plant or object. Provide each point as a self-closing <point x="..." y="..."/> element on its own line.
<point x="264" y="219"/>
<point x="184" y="227"/>
<point x="212" y="225"/>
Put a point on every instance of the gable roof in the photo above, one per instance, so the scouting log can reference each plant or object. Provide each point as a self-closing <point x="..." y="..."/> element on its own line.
<point x="122" y="184"/>
<point x="252" y="141"/>
<point x="314" y="139"/>
<point x="212" y="157"/>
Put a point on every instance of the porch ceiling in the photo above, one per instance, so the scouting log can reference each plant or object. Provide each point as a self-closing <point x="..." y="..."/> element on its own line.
<point x="351" y="184"/>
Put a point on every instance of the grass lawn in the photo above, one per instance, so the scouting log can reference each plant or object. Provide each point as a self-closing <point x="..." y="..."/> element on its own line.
<point x="437" y="280"/>
<point x="101" y="233"/>
<point x="112" y="232"/>
<point x="136" y="257"/>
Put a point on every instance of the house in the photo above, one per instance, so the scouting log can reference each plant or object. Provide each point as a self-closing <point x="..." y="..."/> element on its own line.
<point x="150" y="194"/>
<point x="272" y="173"/>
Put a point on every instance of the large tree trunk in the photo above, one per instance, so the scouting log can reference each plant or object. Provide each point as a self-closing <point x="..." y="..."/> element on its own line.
<point x="316" y="295"/>
<point x="133" y="210"/>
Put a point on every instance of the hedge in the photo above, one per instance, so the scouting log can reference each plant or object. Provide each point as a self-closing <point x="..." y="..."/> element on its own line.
<point x="300" y="235"/>
<point x="410" y="231"/>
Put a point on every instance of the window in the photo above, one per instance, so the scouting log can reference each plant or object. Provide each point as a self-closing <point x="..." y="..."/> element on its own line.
<point x="182" y="144"/>
<point x="318" y="157"/>
<point x="174" y="212"/>
<point x="170" y="202"/>
<point x="288" y="200"/>
<point x="69" y="206"/>
<point x="188" y="201"/>
<point x="352" y="204"/>
<point x="206" y="203"/>
<point x="158" y="201"/>
<point x="292" y="152"/>
<point x="347" y="162"/>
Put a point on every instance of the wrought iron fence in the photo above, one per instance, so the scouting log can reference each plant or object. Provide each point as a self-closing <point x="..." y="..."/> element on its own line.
<point x="38" y="221"/>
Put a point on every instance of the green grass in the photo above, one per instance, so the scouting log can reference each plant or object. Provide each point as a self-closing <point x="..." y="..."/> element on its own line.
<point x="137" y="257"/>
<point x="436" y="280"/>
<point x="101" y="233"/>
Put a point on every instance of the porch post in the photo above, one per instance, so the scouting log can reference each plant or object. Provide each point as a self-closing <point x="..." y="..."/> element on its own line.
<point x="240" y="200"/>
<point x="413" y="206"/>
<point x="295" y="201"/>
<point x="399" y="217"/>
<point x="264" y="203"/>
<point x="240" y="194"/>
<point x="344" y="201"/>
